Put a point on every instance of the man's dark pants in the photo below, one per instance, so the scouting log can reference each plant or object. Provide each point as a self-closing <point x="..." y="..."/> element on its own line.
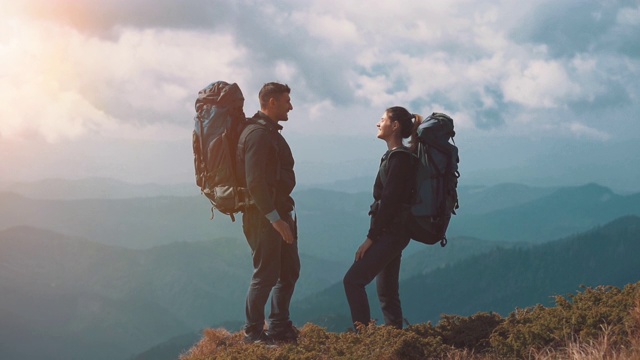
<point x="382" y="262"/>
<point x="276" y="267"/>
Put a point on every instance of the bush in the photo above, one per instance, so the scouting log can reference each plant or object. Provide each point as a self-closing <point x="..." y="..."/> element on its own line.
<point x="597" y="323"/>
<point x="468" y="333"/>
<point x="585" y="316"/>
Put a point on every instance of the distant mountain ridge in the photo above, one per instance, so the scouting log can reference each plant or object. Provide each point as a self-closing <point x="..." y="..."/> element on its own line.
<point x="79" y="296"/>
<point x="614" y="164"/>
<point x="563" y="212"/>
<point x="428" y="258"/>
<point x="509" y="278"/>
<point x="485" y="199"/>
<point x="332" y="224"/>
<point x="71" y="296"/>
<point x="132" y="222"/>
<point x="95" y="188"/>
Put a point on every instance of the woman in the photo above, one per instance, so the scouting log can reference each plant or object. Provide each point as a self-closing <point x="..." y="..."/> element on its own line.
<point x="379" y="256"/>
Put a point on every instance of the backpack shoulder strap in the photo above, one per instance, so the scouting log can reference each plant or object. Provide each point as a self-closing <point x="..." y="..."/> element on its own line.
<point x="384" y="162"/>
<point x="251" y="126"/>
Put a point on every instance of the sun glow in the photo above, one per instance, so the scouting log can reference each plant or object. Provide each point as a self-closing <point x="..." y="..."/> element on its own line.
<point x="38" y="80"/>
<point x="64" y="81"/>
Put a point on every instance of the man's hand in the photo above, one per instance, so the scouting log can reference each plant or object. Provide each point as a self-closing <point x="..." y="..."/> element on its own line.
<point x="285" y="231"/>
<point x="363" y="248"/>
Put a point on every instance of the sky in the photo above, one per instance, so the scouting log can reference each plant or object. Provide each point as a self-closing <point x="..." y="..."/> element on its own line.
<point x="107" y="88"/>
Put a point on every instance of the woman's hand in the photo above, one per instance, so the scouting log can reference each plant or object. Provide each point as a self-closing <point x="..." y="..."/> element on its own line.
<point x="363" y="248"/>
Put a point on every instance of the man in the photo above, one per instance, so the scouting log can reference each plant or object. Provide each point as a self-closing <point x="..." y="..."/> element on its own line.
<point x="266" y="165"/>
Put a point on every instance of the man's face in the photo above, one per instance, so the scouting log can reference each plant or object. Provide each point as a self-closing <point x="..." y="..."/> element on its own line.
<point x="282" y="107"/>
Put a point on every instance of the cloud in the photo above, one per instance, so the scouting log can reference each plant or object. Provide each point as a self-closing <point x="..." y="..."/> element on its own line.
<point x="623" y="37"/>
<point x="566" y="27"/>
<point x="151" y="76"/>
<point x="103" y="18"/>
<point x="138" y="64"/>
<point x="334" y="30"/>
<point x="541" y="84"/>
<point x="571" y="27"/>
<point x="39" y="85"/>
<point x="69" y="84"/>
<point x="582" y="130"/>
<point x="122" y="75"/>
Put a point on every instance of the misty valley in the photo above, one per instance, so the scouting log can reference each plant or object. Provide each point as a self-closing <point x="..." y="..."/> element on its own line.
<point x="113" y="276"/>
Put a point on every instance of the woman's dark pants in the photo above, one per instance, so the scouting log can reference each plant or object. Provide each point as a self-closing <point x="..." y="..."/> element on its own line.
<point x="380" y="261"/>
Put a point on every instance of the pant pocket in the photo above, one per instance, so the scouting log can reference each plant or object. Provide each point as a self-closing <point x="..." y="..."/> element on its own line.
<point x="292" y="220"/>
<point x="249" y="228"/>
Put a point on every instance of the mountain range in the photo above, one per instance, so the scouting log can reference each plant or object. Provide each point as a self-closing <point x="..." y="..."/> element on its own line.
<point x="95" y="188"/>
<point x="562" y="212"/>
<point x="332" y="224"/>
<point x="75" y="294"/>
<point x="125" y="274"/>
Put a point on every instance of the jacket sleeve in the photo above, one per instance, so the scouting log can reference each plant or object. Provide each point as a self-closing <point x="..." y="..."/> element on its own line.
<point x="394" y="193"/>
<point x="259" y="151"/>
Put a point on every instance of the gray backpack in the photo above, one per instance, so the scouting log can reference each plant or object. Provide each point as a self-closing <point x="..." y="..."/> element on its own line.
<point x="219" y="121"/>
<point x="436" y="194"/>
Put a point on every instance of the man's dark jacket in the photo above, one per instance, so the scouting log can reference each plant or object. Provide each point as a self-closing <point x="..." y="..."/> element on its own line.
<point x="265" y="163"/>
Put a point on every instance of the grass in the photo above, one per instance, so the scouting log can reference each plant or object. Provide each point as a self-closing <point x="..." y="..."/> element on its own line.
<point x="601" y="323"/>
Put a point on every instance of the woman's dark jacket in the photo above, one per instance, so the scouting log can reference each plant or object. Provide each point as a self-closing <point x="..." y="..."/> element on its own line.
<point x="392" y="195"/>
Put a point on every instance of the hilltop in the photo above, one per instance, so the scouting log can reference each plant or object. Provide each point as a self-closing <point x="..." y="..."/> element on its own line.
<point x="601" y="322"/>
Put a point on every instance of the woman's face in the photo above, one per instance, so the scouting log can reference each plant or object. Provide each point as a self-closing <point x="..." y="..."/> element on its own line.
<point x="386" y="127"/>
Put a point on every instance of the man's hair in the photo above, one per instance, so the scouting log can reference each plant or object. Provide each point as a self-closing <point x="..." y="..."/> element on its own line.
<point x="271" y="90"/>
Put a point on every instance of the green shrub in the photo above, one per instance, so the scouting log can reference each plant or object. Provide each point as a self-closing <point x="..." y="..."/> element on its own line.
<point x="604" y="320"/>
<point x="585" y="316"/>
<point x="468" y="333"/>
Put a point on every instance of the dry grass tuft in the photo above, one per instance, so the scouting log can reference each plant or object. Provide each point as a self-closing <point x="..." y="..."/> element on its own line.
<point x="211" y="340"/>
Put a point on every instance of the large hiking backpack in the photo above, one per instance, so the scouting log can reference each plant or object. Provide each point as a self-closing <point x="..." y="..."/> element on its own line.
<point x="436" y="196"/>
<point x="219" y="121"/>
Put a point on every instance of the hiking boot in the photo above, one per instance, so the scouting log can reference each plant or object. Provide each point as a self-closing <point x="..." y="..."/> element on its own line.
<point x="287" y="335"/>
<point x="257" y="337"/>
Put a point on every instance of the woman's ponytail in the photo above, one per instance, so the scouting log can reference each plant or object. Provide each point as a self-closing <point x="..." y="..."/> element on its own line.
<point x="408" y="122"/>
<point x="413" y="142"/>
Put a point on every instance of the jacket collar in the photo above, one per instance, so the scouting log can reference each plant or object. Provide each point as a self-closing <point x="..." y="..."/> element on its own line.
<point x="270" y="123"/>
